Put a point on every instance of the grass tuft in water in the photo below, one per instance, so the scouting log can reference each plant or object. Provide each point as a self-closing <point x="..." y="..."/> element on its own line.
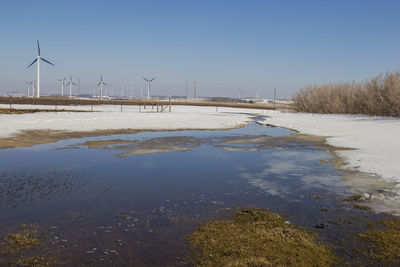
<point x="257" y="237"/>
<point x="20" y="241"/>
<point x="384" y="241"/>
<point x="24" y="249"/>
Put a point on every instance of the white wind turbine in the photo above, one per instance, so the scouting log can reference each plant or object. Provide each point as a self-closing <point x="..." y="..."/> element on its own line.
<point x="70" y="84"/>
<point x="239" y="93"/>
<point x="33" y="87"/>
<point x="101" y="83"/>
<point x="148" y="86"/>
<point x="28" y="87"/>
<point x="62" y="84"/>
<point x="37" y="60"/>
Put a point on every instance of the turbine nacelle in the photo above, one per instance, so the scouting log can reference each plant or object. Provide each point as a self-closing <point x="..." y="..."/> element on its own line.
<point x="149" y="80"/>
<point x="70" y="81"/>
<point x="101" y="81"/>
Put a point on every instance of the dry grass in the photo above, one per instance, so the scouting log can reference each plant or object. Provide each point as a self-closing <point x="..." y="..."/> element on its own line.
<point x="25" y="249"/>
<point x="379" y="96"/>
<point x="384" y="242"/>
<point x="24" y="111"/>
<point x="256" y="237"/>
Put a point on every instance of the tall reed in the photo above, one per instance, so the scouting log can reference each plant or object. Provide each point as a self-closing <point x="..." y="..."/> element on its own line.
<point x="378" y="96"/>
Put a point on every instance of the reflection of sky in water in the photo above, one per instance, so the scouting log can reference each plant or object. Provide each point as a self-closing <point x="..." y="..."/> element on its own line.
<point x="286" y="173"/>
<point x="283" y="172"/>
<point x="46" y="184"/>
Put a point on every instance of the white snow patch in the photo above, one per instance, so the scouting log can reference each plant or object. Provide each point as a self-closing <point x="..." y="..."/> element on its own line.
<point x="375" y="140"/>
<point x="111" y="117"/>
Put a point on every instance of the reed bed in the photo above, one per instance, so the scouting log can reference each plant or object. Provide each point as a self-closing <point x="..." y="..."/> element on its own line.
<point x="379" y="96"/>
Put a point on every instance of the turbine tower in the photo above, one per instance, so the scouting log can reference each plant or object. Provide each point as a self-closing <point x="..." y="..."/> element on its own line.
<point x="101" y="87"/>
<point x="70" y="83"/>
<point x="79" y="87"/>
<point x="239" y="93"/>
<point x="37" y="60"/>
<point x="148" y="86"/>
<point x="33" y="87"/>
<point x="62" y="84"/>
<point x="28" y="86"/>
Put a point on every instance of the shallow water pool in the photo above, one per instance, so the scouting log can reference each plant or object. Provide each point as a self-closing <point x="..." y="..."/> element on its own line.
<point x="132" y="199"/>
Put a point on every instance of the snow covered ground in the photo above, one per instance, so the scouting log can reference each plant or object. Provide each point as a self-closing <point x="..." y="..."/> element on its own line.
<point x="111" y="117"/>
<point x="375" y="140"/>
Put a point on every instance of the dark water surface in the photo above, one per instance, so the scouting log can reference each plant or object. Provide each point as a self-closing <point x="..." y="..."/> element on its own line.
<point x="98" y="207"/>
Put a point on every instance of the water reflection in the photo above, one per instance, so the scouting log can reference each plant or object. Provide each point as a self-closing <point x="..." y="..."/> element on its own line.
<point x="288" y="173"/>
<point x="131" y="199"/>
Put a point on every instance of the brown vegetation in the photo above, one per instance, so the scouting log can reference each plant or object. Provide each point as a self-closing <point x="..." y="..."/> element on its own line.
<point x="23" y="249"/>
<point x="379" y="96"/>
<point x="23" y="111"/>
<point x="257" y="237"/>
<point x="384" y="242"/>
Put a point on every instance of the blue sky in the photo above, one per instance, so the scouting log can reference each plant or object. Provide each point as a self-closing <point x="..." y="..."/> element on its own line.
<point x="224" y="45"/>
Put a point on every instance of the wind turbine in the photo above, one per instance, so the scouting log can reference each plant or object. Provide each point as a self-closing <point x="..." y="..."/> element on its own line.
<point x="33" y="87"/>
<point x="37" y="60"/>
<point x="239" y="93"/>
<point x="186" y="90"/>
<point x="101" y="87"/>
<point x="28" y="86"/>
<point x="79" y="87"/>
<point x="62" y="84"/>
<point x="70" y="83"/>
<point x="148" y="86"/>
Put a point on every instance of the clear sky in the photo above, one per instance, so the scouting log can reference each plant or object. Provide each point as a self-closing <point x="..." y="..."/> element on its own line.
<point x="224" y="45"/>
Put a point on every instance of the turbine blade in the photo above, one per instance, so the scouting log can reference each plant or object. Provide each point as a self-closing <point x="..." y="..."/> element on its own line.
<point x="38" y="48"/>
<point x="46" y="61"/>
<point x="32" y="63"/>
<point x="145" y="79"/>
<point x="105" y="84"/>
<point x="153" y="79"/>
<point x="98" y="84"/>
<point x="74" y="83"/>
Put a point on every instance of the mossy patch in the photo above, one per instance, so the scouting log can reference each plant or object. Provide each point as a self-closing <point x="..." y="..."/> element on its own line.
<point x="37" y="261"/>
<point x="384" y="241"/>
<point x="361" y="207"/>
<point x="24" y="249"/>
<point x="16" y="242"/>
<point x="257" y="237"/>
